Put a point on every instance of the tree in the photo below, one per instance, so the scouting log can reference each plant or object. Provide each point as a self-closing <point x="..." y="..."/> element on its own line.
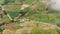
<point x="8" y="1"/>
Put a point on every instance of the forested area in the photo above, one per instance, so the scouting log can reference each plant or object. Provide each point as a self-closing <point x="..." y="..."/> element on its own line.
<point x="29" y="17"/>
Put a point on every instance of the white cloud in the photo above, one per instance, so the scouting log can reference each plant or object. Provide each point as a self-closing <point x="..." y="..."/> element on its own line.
<point x="55" y="4"/>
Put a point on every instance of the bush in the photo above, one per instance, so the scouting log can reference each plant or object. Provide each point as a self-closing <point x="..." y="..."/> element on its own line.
<point x="18" y="27"/>
<point x="1" y="31"/>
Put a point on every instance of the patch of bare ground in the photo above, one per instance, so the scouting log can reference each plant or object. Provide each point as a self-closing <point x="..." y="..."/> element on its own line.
<point x="24" y="31"/>
<point x="10" y="26"/>
<point x="27" y="30"/>
<point x="27" y="23"/>
<point x="46" y="26"/>
<point x="27" y="27"/>
<point x="40" y="24"/>
<point x="7" y="31"/>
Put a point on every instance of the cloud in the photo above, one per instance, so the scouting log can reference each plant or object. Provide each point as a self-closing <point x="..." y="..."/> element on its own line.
<point x="55" y="4"/>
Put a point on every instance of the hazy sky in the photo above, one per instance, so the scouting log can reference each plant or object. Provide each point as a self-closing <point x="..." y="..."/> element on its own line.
<point x="55" y="4"/>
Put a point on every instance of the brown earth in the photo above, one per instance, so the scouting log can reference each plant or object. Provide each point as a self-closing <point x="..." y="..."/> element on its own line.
<point x="7" y="31"/>
<point x="27" y="30"/>
<point x="27" y="27"/>
<point x="11" y="26"/>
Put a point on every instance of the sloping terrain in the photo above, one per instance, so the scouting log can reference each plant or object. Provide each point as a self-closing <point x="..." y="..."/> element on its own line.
<point x="40" y="20"/>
